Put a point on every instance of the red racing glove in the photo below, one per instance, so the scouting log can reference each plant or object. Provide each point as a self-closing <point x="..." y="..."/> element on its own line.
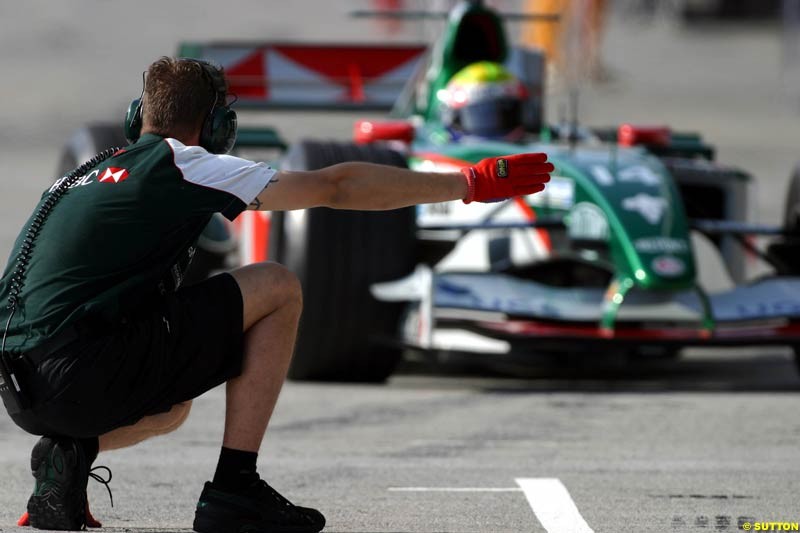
<point x="497" y="178"/>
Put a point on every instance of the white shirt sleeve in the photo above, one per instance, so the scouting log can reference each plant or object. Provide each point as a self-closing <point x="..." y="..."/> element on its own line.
<point x="240" y="177"/>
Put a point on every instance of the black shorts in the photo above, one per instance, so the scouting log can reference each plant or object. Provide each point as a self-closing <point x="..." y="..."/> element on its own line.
<point x="189" y="343"/>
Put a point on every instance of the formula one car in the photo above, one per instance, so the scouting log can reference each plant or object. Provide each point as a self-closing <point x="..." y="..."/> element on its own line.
<point x="603" y="261"/>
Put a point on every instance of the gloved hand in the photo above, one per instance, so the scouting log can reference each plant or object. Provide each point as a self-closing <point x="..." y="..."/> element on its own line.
<point x="497" y="178"/>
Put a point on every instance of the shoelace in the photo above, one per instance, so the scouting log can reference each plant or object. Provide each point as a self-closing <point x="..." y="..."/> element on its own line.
<point x="288" y="506"/>
<point x="274" y="494"/>
<point x="100" y="479"/>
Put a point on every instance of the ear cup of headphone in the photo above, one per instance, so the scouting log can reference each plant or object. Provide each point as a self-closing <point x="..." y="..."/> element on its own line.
<point x="219" y="130"/>
<point x="133" y="121"/>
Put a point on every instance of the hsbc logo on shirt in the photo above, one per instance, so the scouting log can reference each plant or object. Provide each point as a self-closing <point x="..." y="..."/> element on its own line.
<point x="109" y="175"/>
<point x="113" y="175"/>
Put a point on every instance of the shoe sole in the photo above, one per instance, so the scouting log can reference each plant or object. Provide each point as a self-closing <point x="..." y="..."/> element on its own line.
<point x="60" y="504"/>
<point x="212" y="524"/>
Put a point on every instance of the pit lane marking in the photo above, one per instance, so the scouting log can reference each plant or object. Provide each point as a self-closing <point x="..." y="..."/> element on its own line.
<point x="455" y="489"/>
<point x="548" y="497"/>
<point x="553" y="506"/>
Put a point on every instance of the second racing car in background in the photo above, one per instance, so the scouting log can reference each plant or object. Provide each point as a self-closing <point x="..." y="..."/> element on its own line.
<point x="602" y="262"/>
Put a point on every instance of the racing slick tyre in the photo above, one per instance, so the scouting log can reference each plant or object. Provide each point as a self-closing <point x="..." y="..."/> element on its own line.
<point x="216" y="241"/>
<point x="796" y="350"/>
<point x="785" y="252"/>
<point x="338" y="254"/>
<point x="788" y="251"/>
<point x="791" y="213"/>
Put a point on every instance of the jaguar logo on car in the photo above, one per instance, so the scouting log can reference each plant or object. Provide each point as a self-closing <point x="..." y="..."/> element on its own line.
<point x="668" y="266"/>
<point x="650" y="207"/>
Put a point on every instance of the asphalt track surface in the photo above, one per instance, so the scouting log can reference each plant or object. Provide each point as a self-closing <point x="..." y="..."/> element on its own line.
<point x="699" y="444"/>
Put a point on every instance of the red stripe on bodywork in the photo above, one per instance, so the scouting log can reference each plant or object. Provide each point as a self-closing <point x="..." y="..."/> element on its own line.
<point x="729" y="332"/>
<point x="534" y="329"/>
<point x="530" y="214"/>
<point x="253" y="228"/>
<point x="260" y="237"/>
<point x="791" y="329"/>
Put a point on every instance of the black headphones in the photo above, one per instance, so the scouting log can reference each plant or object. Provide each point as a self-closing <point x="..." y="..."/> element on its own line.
<point x="218" y="134"/>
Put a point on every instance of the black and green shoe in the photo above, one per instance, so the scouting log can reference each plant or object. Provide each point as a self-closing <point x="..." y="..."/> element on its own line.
<point x="61" y="471"/>
<point x="257" y="509"/>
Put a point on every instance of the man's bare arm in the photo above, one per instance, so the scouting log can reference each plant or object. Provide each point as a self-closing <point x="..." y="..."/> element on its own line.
<point x="357" y="185"/>
<point x="367" y="186"/>
<point x="255" y="205"/>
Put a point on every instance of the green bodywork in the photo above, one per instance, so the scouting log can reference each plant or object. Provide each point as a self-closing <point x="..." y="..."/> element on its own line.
<point x="647" y="235"/>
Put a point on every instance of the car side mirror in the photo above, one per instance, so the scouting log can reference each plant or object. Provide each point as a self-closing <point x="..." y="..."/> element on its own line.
<point x="368" y="131"/>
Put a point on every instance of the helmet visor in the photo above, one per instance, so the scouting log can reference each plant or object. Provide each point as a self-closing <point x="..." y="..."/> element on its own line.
<point x="491" y="118"/>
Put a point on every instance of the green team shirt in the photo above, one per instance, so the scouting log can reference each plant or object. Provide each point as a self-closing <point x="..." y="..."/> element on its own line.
<point x="121" y="230"/>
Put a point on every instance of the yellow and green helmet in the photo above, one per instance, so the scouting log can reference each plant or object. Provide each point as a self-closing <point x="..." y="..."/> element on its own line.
<point x="483" y="99"/>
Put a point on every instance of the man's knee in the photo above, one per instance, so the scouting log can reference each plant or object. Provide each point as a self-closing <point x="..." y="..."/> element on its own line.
<point x="267" y="287"/>
<point x="268" y="281"/>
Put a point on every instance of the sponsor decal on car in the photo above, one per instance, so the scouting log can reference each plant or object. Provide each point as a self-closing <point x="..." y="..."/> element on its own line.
<point x="559" y="194"/>
<point x="586" y="221"/>
<point x="650" y="207"/>
<point x="640" y="174"/>
<point x="633" y="174"/>
<point x="668" y="266"/>
<point x="602" y="175"/>
<point x="654" y="245"/>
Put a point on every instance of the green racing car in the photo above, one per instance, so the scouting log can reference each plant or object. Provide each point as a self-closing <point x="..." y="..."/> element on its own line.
<point x="604" y="261"/>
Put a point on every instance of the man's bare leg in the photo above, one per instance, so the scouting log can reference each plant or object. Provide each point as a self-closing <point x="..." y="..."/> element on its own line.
<point x="272" y="303"/>
<point x="149" y="426"/>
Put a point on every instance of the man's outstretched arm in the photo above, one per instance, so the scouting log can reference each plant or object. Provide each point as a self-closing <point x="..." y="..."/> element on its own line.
<point x="367" y="186"/>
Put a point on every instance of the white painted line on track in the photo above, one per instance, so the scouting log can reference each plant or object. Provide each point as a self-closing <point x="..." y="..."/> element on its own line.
<point x="548" y="497"/>
<point x="553" y="506"/>
<point x="455" y="489"/>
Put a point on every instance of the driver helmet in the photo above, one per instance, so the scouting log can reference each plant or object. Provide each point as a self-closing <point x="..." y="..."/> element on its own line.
<point x="484" y="99"/>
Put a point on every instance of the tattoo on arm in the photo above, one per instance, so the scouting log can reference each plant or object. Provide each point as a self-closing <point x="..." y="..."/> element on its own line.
<point x="255" y="205"/>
